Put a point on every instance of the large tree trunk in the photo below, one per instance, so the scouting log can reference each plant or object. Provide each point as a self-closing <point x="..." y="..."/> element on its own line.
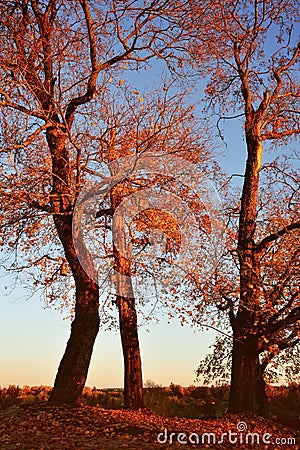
<point x="247" y="388"/>
<point x="73" y="369"/>
<point x="247" y="391"/>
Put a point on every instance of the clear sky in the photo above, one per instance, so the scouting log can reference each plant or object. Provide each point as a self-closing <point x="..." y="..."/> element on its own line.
<point x="33" y="341"/>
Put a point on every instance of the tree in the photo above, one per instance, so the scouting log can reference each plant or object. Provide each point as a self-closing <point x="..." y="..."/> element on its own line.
<point x="140" y="145"/>
<point x="256" y="80"/>
<point x="215" y="367"/>
<point x="48" y="93"/>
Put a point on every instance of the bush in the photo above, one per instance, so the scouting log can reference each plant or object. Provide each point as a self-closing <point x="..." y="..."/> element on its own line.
<point x="14" y="395"/>
<point x="106" y="398"/>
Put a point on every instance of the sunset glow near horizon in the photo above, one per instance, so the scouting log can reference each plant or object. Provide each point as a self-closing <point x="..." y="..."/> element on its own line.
<point x="34" y="339"/>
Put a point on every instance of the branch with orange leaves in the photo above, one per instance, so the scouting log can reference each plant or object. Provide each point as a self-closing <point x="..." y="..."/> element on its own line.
<point x="267" y="241"/>
<point x="29" y="140"/>
<point x="277" y="324"/>
<point x="273" y="347"/>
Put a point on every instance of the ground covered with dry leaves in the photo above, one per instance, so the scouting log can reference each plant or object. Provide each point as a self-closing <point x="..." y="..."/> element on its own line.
<point x="42" y="426"/>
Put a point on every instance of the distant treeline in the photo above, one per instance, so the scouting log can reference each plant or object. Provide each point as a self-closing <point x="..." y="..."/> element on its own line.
<point x="174" y="400"/>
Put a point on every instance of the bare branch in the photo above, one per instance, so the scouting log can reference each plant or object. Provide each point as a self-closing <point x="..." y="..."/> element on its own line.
<point x="292" y="318"/>
<point x="91" y="85"/>
<point x="278" y="73"/>
<point x="10" y="104"/>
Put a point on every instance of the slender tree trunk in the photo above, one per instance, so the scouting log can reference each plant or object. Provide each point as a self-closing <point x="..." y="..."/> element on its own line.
<point x="133" y="382"/>
<point x="125" y="301"/>
<point x="133" y="379"/>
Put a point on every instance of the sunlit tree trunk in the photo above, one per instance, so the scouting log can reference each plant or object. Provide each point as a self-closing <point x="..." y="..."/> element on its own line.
<point x="125" y="301"/>
<point x="247" y="394"/>
<point x="73" y="369"/>
<point x="133" y="381"/>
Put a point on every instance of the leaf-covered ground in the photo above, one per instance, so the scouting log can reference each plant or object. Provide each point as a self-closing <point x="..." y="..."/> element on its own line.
<point x="42" y="426"/>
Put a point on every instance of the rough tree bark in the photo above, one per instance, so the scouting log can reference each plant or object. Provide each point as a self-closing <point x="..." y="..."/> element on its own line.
<point x="73" y="369"/>
<point x="247" y="376"/>
<point x="247" y="387"/>
<point x="133" y="381"/>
